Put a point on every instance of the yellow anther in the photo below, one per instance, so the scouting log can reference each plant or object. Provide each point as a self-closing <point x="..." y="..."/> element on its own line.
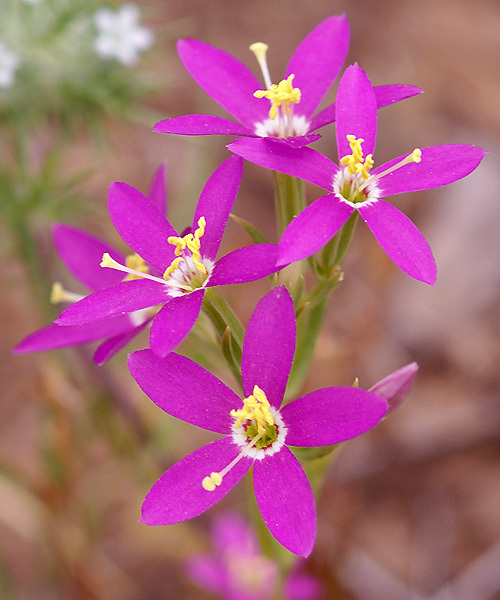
<point x="210" y="482"/>
<point x="416" y="155"/>
<point x="281" y="93"/>
<point x="255" y="408"/>
<point x="354" y="161"/>
<point x="57" y="293"/>
<point x="259" y="49"/>
<point x="192" y="243"/>
<point x="175" y="263"/>
<point x="136" y="263"/>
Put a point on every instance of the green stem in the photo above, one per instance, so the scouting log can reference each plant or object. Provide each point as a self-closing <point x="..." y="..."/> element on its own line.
<point x="308" y="329"/>
<point x="228" y="328"/>
<point x="289" y="199"/>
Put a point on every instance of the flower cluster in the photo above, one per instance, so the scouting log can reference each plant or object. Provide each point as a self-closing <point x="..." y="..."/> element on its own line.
<point x="169" y="277"/>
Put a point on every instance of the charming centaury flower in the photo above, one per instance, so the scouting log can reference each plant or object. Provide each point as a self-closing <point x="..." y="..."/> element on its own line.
<point x="9" y="64"/>
<point x="257" y="431"/>
<point x="120" y="35"/>
<point x="237" y="570"/>
<point x="169" y="268"/>
<point x="354" y="186"/>
<point x="82" y="254"/>
<point x="289" y="118"/>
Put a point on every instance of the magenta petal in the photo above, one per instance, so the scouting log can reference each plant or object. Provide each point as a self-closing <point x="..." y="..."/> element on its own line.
<point x="331" y="415"/>
<point x="209" y="573"/>
<point x="269" y="346"/>
<point x="401" y="240"/>
<point x="384" y="94"/>
<point x="396" y="386"/>
<point x="317" y="61"/>
<point x="311" y="229"/>
<point x="245" y="264"/>
<point x="141" y="224"/>
<point x="185" y="390"/>
<point x="286" y="501"/>
<point x="215" y="203"/>
<point x="304" y="163"/>
<point x="228" y="81"/>
<point x="356" y="111"/>
<point x="111" y="346"/>
<point x="394" y="92"/>
<point x="201" y="125"/>
<point x="178" y="495"/>
<point x="55" y="336"/>
<point x="82" y="255"/>
<point x="174" y="321"/>
<point x="124" y="297"/>
<point x="439" y="165"/>
<point x="158" y="190"/>
<point x="297" y="141"/>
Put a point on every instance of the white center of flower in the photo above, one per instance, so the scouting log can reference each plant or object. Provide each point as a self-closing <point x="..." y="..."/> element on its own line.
<point x="240" y="438"/>
<point x="297" y="125"/>
<point x="353" y="189"/>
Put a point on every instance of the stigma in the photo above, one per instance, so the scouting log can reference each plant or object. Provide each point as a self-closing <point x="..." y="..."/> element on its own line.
<point x="354" y="184"/>
<point x="258" y="430"/>
<point x="188" y="271"/>
<point x="282" y="122"/>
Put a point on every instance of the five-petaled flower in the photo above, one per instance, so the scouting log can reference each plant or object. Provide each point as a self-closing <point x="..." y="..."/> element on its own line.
<point x="258" y="430"/>
<point x="290" y="117"/>
<point x="353" y="186"/>
<point x="82" y="253"/>
<point x="171" y="269"/>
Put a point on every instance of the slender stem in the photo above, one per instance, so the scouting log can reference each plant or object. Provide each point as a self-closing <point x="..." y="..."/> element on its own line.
<point x="228" y="327"/>
<point x="308" y="329"/>
<point x="289" y="199"/>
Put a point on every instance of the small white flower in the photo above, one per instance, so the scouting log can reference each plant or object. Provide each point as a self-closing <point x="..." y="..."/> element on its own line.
<point x="9" y="63"/>
<point x="31" y="1"/>
<point x="120" y="35"/>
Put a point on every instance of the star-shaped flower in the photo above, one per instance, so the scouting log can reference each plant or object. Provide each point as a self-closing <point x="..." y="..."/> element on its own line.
<point x="120" y="35"/>
<point x="171" y="269"/>
<point x="256" y="430"/>
<point x="353" y="186"/>
<point x="82" y="254"/>
<point x="290" y="117"/>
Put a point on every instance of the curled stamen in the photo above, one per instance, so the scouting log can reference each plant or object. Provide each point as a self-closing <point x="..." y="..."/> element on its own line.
<point x="279" y="94"/>
<point x="192" y="243"/>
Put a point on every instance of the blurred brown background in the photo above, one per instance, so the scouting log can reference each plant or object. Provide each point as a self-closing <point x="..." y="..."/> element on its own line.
<point x="411" y="510"/>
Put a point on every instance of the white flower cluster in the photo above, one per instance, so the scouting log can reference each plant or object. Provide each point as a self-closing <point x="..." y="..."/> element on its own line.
<point x="120" y="35"/>
<point x="9" y="63"/>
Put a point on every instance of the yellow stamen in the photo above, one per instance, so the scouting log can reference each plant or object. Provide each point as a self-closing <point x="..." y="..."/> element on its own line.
<point x="213" y="480"/>
<point x="256" y="408"/>
<point x="59" y="294"/>
<point x="111" y="263"/>
<point x="192" y="243"/>
<point x="413" y="157"/>
<point x="136" y="263"/>
<point x="281" y="93"/>
<point x="354" y="161"/>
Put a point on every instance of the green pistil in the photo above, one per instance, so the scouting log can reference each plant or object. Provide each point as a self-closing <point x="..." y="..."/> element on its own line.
<point x="268" y="437"/>
<point x="350" y="192"/>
